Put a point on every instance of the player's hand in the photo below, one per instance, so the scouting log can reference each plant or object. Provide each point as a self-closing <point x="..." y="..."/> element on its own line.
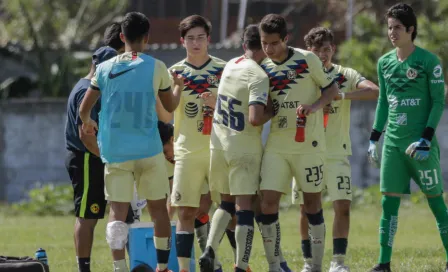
<point x="339" y="96"/>
<point x="90" y="127"/>
<point x="372" y="154"/>
<point x="419" y="150"/>
<point x="178" y="79"/>
<point x="305" y="110"/>
<point x="328" y="108"/>
<point x="209" y="99"/>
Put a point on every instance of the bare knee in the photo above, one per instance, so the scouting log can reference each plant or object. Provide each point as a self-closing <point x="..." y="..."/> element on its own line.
<point x="187" y="213"/>
<point x="157" y="209"/>
<point x="312" y="202"/>
<point x="270" y="202"/>
<point x="342" y="208"/>
<point x="86" y="223"/>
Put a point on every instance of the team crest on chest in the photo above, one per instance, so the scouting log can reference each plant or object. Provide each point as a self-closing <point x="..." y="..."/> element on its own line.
<point x="411" y="73"/>
<point x="212" y="79"/>
<point x="291" y="74"/>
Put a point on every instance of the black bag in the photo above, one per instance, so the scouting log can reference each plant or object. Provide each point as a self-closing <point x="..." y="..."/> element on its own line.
<point x="21" y="264"/>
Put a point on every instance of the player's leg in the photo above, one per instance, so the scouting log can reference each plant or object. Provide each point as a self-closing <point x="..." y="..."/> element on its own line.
<point x="151" y="184"/>
<point x="119" y="190"/>
<point x="171" y="208"/>
<point x="338" y="184"/>
<point x="275" y="181"/>
<point x="202" y="221"/>
<point x="427" y="174"/>
<point x="230" y="233"/>
<point x="297" y="198"/>
<point x="185" y="196"/>
<point x="394" y="182"/>
<point x="308" y="171"/>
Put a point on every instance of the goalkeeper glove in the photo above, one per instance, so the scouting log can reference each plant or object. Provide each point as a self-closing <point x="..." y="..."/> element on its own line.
<point x="419" y="150"/>
<point x="372" y="154"/>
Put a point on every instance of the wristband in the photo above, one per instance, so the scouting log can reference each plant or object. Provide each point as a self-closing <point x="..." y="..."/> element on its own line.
<point x="428" y="133"/>
<point x="375" y="135"/>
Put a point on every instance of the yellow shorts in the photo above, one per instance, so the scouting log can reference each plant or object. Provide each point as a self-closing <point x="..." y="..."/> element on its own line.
<point x="277" y="171"/>
<point x="234" y="173"/>
<point x="149" y="175"/>
<point x="337" y="181"/>
<point x="191" y="176"/>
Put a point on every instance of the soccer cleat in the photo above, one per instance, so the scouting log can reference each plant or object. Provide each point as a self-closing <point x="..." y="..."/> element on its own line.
<point x="166" y="270"/>
<point x="307" y="268"/>
<point x="338" y="267"/>
<point x="381" y="268"/>
<point x="284" y="266"/>
<point x="219" y="269"/>
<point x="247" y="270"/>
<point x="206" y="261"/>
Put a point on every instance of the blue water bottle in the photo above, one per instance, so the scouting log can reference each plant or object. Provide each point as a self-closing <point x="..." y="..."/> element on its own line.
<point x="41" y="256"/>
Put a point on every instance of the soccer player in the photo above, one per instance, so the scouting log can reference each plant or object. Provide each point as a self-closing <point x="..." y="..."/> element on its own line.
<point x="201" y="73"/>
<point x="411" y="101"/>
<point x="128" y="137"/>
<point x="84" y="166"/>
<point x="296" y="146"/>
<point x="236" y="147"/>
<point x="352" y="86"/>
<point x="112" y="37"/>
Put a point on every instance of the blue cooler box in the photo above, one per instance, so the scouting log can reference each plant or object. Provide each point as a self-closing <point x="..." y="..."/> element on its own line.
<point x="141" y="247"/>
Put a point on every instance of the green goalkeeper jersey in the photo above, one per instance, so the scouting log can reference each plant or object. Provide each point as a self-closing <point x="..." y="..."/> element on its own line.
<point x="411" y="96"/>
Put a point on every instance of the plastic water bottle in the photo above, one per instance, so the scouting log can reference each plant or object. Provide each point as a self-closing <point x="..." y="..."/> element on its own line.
<point x="41" y="255"/>
<point x="300" y="128"/>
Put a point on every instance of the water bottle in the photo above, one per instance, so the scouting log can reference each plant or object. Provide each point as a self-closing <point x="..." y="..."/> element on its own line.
<point x="41" y="256"/>
<point x="207" y="114"/>
<point x="300" y="128"/>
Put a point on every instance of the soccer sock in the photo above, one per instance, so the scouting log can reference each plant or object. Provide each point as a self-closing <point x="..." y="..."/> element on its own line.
<point x="244" y="235"/>
<point x="163" y="247"/>
<point x="339" y="249"/>
<point x="83" y="264"/>
<point x="388" y="226"/>
<point x="306" y="249"/>
<point x="120" y="266"/>
<point x="280" y="255"/>
<point x="231" y="236"/>
<point x="438" y="208"/>
<point x="220" y="220"/>
<point x="201" y="229"/>
<point x="270" y="232"/>
<point x="317" y="233"/>
<point x="184" y="245"/>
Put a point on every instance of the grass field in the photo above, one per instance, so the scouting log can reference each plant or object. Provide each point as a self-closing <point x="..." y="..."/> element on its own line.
<point x="417" y="244"/>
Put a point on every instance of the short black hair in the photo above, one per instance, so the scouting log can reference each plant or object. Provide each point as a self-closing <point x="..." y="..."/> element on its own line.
<point x="135" y="26"/>
<point x="166" y="131"/>
<point x="317" y="36"/>
<point x="405" y="14"/>
<point x="251" y="37"/>
<point x="192" y="22"/>
<point x="274" y="23"/>
<point x="112" y="36"/>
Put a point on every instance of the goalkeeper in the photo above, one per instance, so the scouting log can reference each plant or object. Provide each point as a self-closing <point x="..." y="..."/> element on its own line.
<point x="411" y="100"/>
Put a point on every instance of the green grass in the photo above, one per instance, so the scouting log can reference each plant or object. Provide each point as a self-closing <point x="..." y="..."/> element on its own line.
<point x="417" y="244"/>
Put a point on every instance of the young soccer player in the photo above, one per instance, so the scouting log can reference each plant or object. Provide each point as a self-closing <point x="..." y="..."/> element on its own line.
<point x="190" y="194"/>
<point x="128" y="137"/>
<point x="352" y="86"/>
<point x="112" y="37"/>
<point x="297" y="78"/>
<point x="236" y="148"/>
<point x="411" y="101"/>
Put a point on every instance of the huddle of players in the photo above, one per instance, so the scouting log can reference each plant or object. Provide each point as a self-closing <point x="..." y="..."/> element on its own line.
<point x="247" y="92"/>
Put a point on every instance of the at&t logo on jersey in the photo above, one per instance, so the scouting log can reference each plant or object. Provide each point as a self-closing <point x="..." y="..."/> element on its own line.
<point x="191" y="109"/>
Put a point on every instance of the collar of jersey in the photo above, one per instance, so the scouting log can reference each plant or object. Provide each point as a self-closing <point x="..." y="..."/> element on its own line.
<point x="200" y="67"/>
<point x="290" y="54"/>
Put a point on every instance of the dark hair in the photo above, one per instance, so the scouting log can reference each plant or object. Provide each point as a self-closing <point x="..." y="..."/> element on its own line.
<point x="405" y="14"/>
<point x="251" y="37"/>
<point x="192" y="22"/>
<point x="274" y="23"/>
<point x="166" y="131"/>
<point x="112" y="36"/>
<point x="135" y="26"/>
<point x="317" y="36"/>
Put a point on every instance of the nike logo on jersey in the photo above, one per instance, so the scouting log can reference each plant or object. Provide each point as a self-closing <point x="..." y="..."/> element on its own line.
<point x="112" y="75"/>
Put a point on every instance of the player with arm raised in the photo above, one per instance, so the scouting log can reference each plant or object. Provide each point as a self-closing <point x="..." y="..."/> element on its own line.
<point x="192" y="119"/>
<point x="296" y="144"/>
<point x="128" y="137"/>
<point x="236" y="148"/>
<point x="411" y="101"/>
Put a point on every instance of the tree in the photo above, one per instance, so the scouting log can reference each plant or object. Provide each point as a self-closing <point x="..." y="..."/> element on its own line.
<point x="52" y="30"/>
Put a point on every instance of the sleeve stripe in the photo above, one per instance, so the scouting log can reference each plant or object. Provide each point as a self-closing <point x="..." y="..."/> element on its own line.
<point x="257" y="103"/>
<point x="328" y="86"/>
<point x="94" y="87"/>
<point x="360" y="80"/>
<point x="165" y="90"/>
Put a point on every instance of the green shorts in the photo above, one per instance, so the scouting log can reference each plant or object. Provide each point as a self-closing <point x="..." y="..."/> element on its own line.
<point x="397" y="169"/>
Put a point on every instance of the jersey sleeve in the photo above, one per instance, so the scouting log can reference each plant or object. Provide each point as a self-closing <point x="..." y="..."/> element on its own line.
<point x="436" y="91"/>
<point x="356" y="78"/>
<point x="382" y="108"/>
<point x="322" y="79"/>
<point x="258" y="85"/>
<point x="165" y="79"/>
<point x="94" y="82"/>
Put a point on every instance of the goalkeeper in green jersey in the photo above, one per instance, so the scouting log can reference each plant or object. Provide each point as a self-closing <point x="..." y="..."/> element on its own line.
<point x="411" y="101"/>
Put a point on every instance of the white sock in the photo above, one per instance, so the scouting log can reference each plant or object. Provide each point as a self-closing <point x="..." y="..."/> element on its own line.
<point x="121" y="266"/>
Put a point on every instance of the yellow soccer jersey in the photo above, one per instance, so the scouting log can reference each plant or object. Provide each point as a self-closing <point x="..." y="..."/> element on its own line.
<point x="338" y="128"/>
<point x="188" y="120"/>
<point x="243" y="83"/>
<point x="297" y="80"/>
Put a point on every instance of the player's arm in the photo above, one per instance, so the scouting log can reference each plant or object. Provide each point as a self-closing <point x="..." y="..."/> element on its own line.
<point x="169" y="96"/>
<point x="363" y="89"/>
<point x="382" y="108"/>
<point x="89" y="141"/>
<point x="260" y="106"/>
<point x="162" y="113"/>
<point x="437" y="94"/>
<point x="85" y="109"/>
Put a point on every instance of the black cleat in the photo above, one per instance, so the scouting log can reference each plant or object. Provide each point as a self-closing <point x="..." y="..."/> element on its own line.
<point x="381" y="268"/>
<point x="207" y="260"/>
